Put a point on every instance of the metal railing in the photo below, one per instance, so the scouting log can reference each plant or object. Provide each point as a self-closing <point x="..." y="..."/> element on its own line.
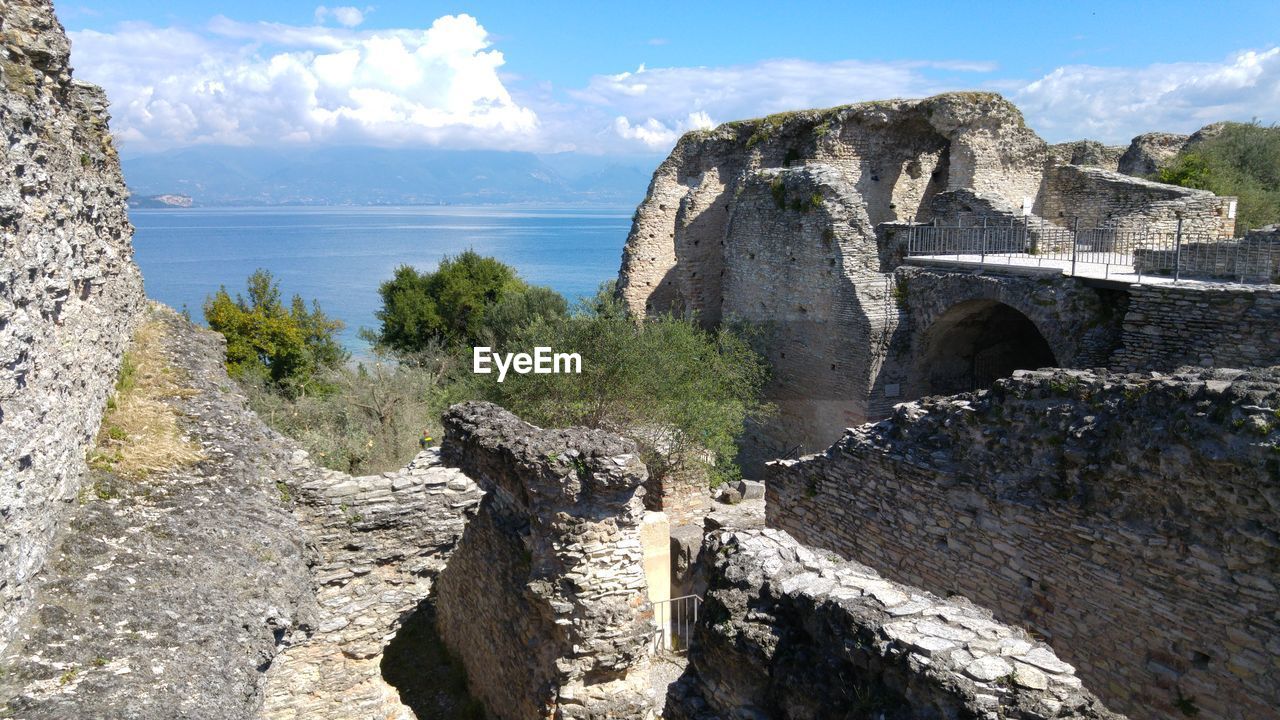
<point x="676" y="619"/>
<point x="1102" y="252"/>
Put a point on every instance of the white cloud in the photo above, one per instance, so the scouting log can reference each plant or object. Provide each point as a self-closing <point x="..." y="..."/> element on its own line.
<point x="656" y="135"/>
<point x="235" y="82"/>
<point x="1114" y="104"/>
<point x="172" y="87"/>
<point x="345" y="16"/>
<point x="652" y="107"/>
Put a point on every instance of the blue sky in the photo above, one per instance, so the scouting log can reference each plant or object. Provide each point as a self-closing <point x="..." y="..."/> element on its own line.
<point x="630" y="77"/>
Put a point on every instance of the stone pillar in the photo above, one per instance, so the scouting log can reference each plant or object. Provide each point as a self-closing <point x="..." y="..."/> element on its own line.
<point x="655" y="538"/>
<point x="546" y="600"/>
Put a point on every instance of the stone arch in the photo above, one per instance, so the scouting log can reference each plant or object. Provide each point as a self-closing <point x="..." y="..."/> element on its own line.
<point x="975" y="342"/>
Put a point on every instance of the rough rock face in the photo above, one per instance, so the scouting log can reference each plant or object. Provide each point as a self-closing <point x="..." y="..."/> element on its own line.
<point x="380" y="542"/>
<point x="792" y="223"/>
<point x="545" y="598"/>
<point x="789" y="632"/>
<point x="252" y="584"/>
<point x="69" y="290"/>
<point x="167" y="597"/>
<point x="1088" y="152"/>
<point x="1130" y="520"/>
<point x="1147" y="154"/>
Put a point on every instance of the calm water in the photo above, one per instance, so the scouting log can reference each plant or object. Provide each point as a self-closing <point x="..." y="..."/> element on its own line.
<point x="340" y="255"/>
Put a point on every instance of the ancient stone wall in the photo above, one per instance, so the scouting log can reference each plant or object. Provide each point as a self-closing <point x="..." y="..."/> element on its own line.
<point x="69" y="291"/>
<point x="952" y="321"/>
<point x="1089" y="153"/>
<point x="787" y="223"/>
<point x="545" y="599"/>
<point x="1129" y="520"/>
<point x="1150" y="152"/>
<point x="790" y="632"/>
<point x="250" y="584"/>
<point x="1253" y="258"/>
<point x="1168" y="326"/>
<point x="1097" y="198"/>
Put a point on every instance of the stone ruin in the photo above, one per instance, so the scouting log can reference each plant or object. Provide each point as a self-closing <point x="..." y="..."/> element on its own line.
<point x="252" y="583"/>
<point x="70" y="293"/>
<point x="792" y="223"/>
<point x="546" y="600"/>
<point x="793" y="632"/>
<point x="1127" y="519"/>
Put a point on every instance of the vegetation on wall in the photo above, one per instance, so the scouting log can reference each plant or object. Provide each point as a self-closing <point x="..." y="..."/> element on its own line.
<point x="1243" y="160"/>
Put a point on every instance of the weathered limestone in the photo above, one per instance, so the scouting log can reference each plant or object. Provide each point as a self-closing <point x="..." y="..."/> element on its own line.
<point x="1097" y="198"/>
<point x="69" y="291"/>
<point x="1091" y="153"/>
<point x="1130" y="520"/>
<point x="545" y="599"/>
<point x="1169" y="326"/>
<point x="167" y="596"/>
<point x="253" y="584"/>
<point x="1149" y="153"/>
<point x="790" y="632"/>
<point x="791" y="223"/>
<point x="380" y="540"/>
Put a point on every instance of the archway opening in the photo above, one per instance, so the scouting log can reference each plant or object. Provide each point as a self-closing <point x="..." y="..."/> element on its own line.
<point x="975" y="343"/>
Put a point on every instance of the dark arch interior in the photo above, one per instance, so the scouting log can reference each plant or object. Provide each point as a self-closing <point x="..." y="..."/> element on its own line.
<point x="977" y="342"/>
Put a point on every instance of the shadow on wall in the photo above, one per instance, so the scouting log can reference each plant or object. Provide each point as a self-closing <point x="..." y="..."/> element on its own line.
<point x="977" y="342"/>
<point x="430" y="680"/>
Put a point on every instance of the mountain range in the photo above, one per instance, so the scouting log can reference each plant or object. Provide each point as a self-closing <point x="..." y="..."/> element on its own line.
<point x="229" y="176"/>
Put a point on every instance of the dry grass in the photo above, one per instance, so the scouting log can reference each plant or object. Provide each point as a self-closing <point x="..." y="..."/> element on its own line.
<point x="140" y="433"/>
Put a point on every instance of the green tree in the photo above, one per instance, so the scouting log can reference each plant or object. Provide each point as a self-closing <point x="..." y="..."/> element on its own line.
<point x="448" y="305"/>
<point x="285" y="348"/>
<point x="1242" y="160"/>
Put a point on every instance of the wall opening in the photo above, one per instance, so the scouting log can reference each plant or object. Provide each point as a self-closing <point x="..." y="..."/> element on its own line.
<point x="977" y="342"/>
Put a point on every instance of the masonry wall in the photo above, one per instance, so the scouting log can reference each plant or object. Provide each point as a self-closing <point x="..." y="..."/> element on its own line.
<point x="1079" y="323"/>
<point x="545" y="598"/>
<point x="1253" y="258"/>
<point x="786" y="222"/>
<point x="790" y="632"/>
<point x="1168" y="326"/>
<point x="1129" y="520"/>
<point x="69" y="291"/>
<point x="1098" y="198"/>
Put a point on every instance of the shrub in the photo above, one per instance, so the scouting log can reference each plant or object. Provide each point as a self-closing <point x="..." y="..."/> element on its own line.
<point x="1242" y="160"/>
<point x="469" y="300"/>
<point x="369" y="421"/>
<point x="286" y="348"/>
<point x="682" y="392"/>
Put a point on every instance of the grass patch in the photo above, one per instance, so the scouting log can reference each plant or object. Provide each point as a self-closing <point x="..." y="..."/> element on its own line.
<point x="140" y="434"/>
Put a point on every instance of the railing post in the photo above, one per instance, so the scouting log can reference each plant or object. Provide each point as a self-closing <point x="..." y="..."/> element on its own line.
<point x="982" y="259"/>
<point x="1075" y="245"/>
<point x="1177" y="252"/>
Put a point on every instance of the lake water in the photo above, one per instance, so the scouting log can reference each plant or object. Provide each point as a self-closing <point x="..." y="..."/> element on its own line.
<point x="339" y="256"/>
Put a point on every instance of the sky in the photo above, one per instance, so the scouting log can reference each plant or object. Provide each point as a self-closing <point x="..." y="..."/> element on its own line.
<point x="626" y="78"/>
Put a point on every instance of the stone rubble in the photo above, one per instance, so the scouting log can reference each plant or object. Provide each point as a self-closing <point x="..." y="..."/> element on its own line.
<point x="253" y="584"/>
